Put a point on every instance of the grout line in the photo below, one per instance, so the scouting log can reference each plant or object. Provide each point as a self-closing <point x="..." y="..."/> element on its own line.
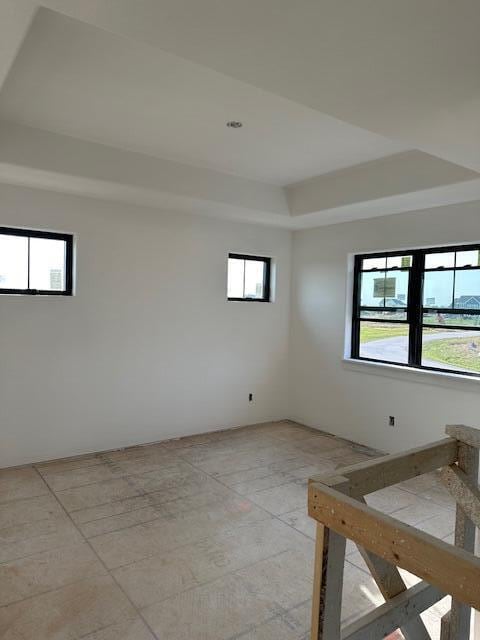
<point x="100" y="560"/>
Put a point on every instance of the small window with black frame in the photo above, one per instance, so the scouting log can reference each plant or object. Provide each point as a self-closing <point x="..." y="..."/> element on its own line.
<point x="35" y="262"/>
<point x="419" y="308"/>
<point x="248" y="278"/>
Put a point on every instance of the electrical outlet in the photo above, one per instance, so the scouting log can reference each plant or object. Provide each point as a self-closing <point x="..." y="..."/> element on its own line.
<point x="391" y="421"/>
<point x="250" y="397"/>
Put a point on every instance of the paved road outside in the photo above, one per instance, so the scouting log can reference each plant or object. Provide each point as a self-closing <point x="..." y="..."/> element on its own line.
<point x="396" y="349"/>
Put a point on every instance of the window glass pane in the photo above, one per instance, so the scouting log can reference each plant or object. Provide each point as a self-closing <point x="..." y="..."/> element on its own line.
<point x="13" y="262"/>
<point x="459" y="319"/>
<point x="455" y="349"/>
<point x="467" y="289"/>
<point x="438" y="289"/>
<point x="372" y="289"/>
<point x="435" y="260"/>
<point x="235" y="277"/>
<point x="387" y="314"/>
<point x="468" y="258"/>
<point x="396" y="288"/>
<point x="373" y="263"/>
<point x="384" y="341"/>
<point x="254" y="278"/>
<point x="399" y="261"/>
<point x="47" y="264"/>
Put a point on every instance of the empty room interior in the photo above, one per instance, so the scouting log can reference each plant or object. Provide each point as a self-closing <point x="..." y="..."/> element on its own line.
<point x="240" y="319"/>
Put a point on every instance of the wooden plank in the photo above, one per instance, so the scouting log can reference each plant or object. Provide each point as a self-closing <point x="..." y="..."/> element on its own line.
<point x="327" y="584"/>
<point x="460" y="613"/>
<point x="467" y="435"/>
<point x="372" y="475"/>
<point x="394" y="614"/>
<point x="465" y="492"/>
<point x="451" y="570"/>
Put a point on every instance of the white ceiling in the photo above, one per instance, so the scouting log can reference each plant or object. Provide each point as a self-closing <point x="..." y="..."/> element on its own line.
<point x="405" y="69"/>
<point x="351" y="109"/>
<point x="72" y="78"/>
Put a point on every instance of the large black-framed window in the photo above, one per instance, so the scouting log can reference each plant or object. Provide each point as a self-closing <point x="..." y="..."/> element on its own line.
<point x="419" y="308"/>
<point x="248" y="278"/>
<point x="35" y="262"/>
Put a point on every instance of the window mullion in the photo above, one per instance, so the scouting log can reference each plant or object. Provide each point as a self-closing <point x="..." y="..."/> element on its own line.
<point x="28" y="263"/>
<point x="415" y="309"/>
<point x="355" y="346"/>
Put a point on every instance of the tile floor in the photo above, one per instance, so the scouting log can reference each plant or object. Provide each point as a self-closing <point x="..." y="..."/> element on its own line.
<point x="203" y="538"/>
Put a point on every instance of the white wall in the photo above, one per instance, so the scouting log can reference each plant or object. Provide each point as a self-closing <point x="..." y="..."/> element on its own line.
<point x="353" y="400"/>
<point x="148" y="348"/>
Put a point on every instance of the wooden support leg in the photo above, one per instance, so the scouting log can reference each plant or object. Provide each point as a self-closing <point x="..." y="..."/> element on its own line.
<point x="327" y="584"/>
<point x="459" y="624"/>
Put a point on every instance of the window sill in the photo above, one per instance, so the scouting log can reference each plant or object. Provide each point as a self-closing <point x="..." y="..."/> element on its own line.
<point x="422" y="376"/>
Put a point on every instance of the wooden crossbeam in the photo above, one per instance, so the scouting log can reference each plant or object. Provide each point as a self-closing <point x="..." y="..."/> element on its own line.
<point x="378" y="473"/>
<point x="465" y="492"/>
<point x="391" y="584"/>
<point x="467" y="435"/>
<point x="394" y="613"/>
<point x="450" y="569"/>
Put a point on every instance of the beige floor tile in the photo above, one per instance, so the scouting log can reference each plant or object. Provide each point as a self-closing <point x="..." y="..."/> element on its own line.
<point x="439" y="526"/>
<point x="174" y="483"/>
<point x="283" y="466"/>
<point x="24" y="482"/>
<point x="147" y="463"/>
<point x="301" y="521"/>
<point x="280" y="628"/>
<point x="347" y="458"/>
<point x="125" y="513"/>
<point x="260" y="484"/>
<point x="285" y="579"/>
<point x="320" y="444"/>
<point x="22" y="540"/>
<point x="69" y="464"/>
<point x="282" y="499"/>
<point x="187" y="529"/>
<point x="68" y="613"/>
<point x="215" y="611"/>
<point x="60" y="480"/>
<point x="440" y="495"/>
<point x="243" y="461"/>
<point x="419" y="483"/>
<point x="96" y="494"/>
<point x="360" y="593"/>
<point x="45" y="571"/>
<point x="20" y="512"/>
<point x="310" y="470"/>
<point x="166" y="574"/>
<point x="390" y="499"/>
<point x="420" y="511"/>
<point x="299" y="618"/>
<point x="128" y="630"/>
<point x="142" y="541"/>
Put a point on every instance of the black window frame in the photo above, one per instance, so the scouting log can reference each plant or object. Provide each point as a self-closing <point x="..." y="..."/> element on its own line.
<point x="414" y="309"/>
<point x="32" y="233"/>
<point x="266" y="276"/>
